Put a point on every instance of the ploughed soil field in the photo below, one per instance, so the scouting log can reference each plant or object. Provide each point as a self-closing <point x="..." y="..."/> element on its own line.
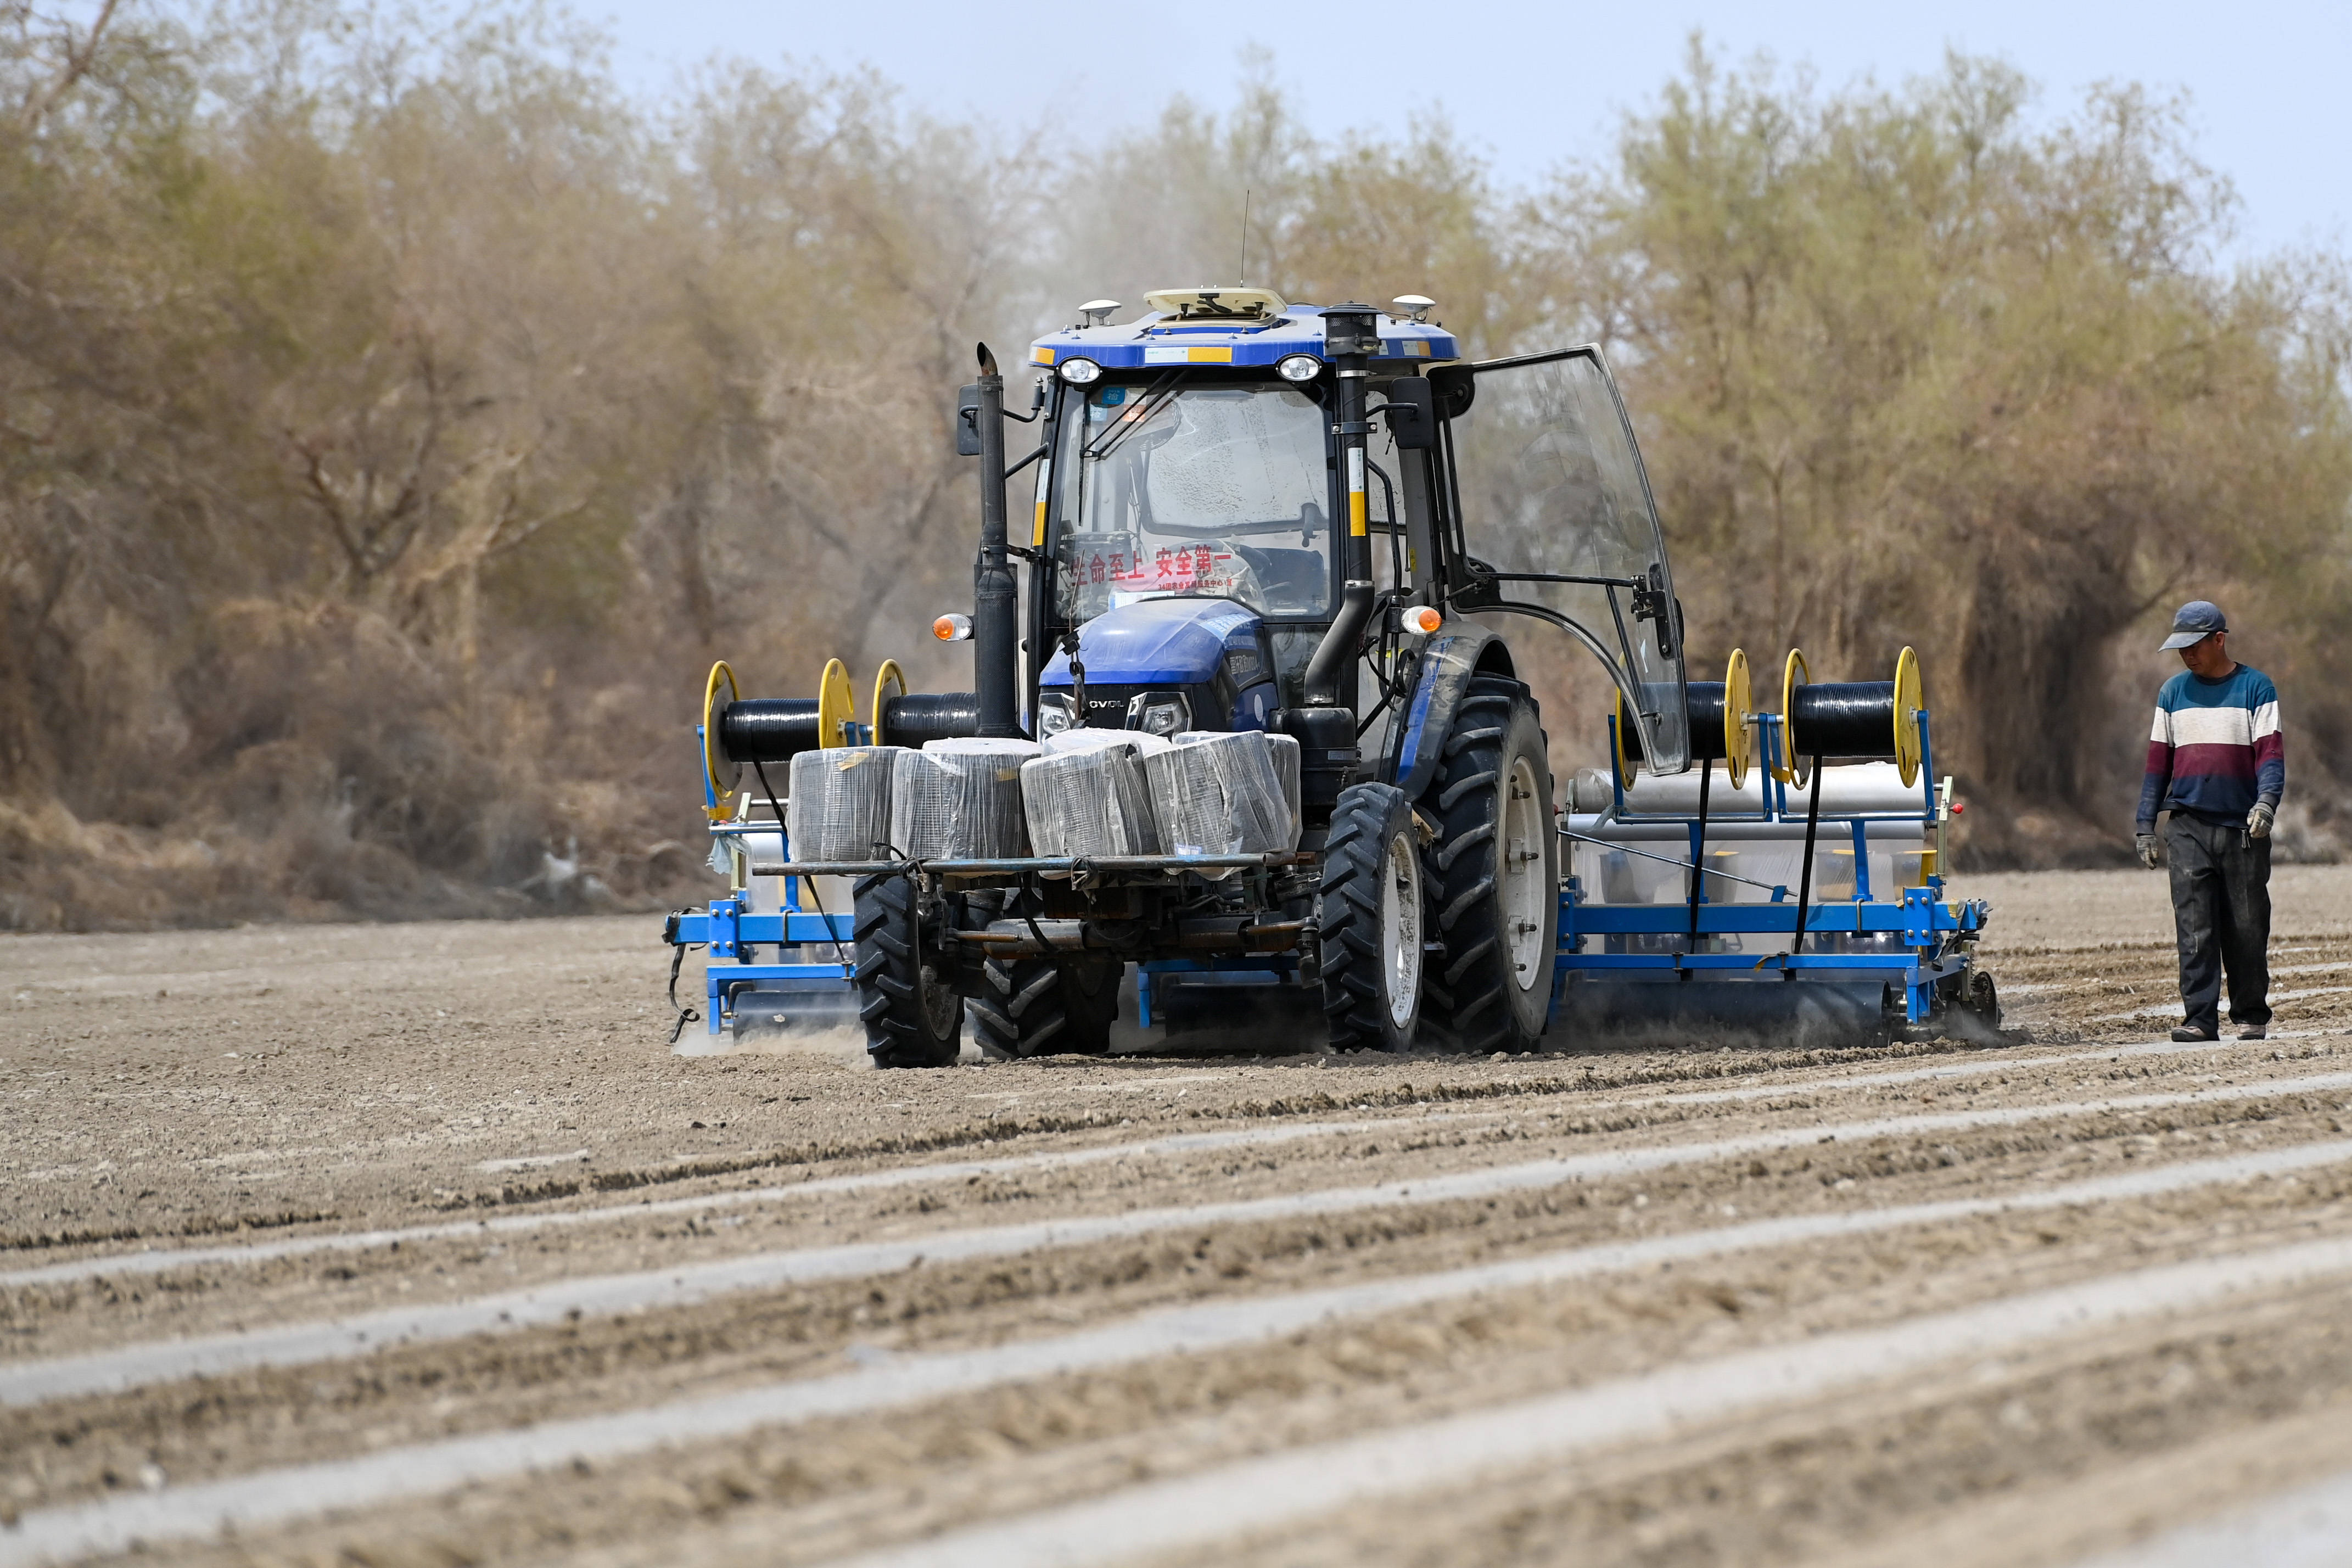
<point x="419" y="1245"/>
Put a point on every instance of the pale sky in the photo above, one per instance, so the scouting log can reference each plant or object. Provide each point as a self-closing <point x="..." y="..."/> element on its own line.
<point x="1528" y="84"/>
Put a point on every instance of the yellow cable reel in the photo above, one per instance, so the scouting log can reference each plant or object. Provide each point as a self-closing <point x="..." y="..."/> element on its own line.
<point x="1793" y="674"/>
<point x="1910" y="701"/>
<point x="722" y="791"/>
<point x="835" y="710"/>
<point x="887" y="676"/>
<point x="1738" y="725"/>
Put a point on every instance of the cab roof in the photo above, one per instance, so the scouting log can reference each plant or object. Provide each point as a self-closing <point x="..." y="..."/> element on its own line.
<point x="1233" y="326"/>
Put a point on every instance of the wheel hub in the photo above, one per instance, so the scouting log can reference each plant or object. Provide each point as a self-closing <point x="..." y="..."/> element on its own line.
<point x="1400" y="928"/>
<point x="1523" y="894"/>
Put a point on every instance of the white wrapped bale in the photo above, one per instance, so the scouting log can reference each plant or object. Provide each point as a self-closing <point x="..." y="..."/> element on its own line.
<point x="840" y="804"/>
<point x="1090" y="798"/>
<point x="960" y="800"/>
<point x="1218" y="794"/>
<point x="1287" y="765"/>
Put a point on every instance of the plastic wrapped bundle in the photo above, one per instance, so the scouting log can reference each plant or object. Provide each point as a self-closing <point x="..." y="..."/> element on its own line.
<point x="840" y="804"/>
<point x="1283" y="750"/>
<point x="1286" y="764"/>
<point x="1218" y="795"/>
<point x="1090" y="798"/>
<point x="960" y="800"/>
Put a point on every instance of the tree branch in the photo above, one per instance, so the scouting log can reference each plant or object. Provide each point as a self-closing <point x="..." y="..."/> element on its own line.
<point x="76" y="66"/>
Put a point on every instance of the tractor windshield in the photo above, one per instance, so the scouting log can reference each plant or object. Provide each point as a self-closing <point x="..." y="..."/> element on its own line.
<point x="1204" y="490"/>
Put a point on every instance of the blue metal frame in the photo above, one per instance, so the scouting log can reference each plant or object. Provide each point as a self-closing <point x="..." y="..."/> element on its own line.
<point x="1924" y="925"/>
<point x="731" y="928"/>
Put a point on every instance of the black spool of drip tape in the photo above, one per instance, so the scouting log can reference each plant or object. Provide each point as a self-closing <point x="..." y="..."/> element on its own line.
<point x="1851" y="720"/>
<point x="1703" y="703"/>
<point x="916" y="717"/>
<point x="1703" y="700"/>
<point x="1855" y="720"/>
<point x="768" y="729"/>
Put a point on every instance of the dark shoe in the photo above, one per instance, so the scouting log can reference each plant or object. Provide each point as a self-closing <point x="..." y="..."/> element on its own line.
<point x="2185" y="1033"/>
<point x="2254" y="1032"/>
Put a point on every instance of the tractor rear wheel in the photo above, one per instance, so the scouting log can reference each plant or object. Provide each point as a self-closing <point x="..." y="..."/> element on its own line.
<point x="1370" y="921"/>
<point x="1039" y="1006"/>
<point x="913" y="1017"/>
<point x="1494" y="882"/>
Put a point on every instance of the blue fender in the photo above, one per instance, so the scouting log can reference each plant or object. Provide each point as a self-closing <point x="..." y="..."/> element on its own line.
<point x="1457" y="651"/>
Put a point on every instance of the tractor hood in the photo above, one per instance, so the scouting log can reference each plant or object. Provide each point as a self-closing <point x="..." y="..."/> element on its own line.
<point x="1159" y="642"/>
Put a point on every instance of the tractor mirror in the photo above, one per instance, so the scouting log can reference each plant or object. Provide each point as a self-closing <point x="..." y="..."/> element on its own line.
<point x="967" y="421"/>
<point x="1413" y="412"/>
<point x="1456" y="387"/>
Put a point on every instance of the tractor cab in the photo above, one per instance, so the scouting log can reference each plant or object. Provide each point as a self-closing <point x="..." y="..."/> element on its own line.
<point x="1216" y="473"/>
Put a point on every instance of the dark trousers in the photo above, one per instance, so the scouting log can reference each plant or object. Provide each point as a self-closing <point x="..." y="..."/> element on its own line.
<point x="2221" y="912"/>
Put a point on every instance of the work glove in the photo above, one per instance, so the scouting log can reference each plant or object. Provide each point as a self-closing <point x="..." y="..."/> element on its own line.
<point x="2258" y="821"/>
<point x="2145" y="844"/>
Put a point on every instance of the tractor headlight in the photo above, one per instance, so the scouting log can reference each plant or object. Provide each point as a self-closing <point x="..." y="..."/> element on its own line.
<point x="1299" y="367"/>
<point x="1055" y="713"/>
<point x="1159" y="712"/>
<point x="1079" y="372"/>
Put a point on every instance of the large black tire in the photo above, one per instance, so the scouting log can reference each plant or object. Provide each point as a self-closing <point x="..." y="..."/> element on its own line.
<point x="1040" y="1006"/>
<point x="1370" y="921"/>
<point x="1493" y="873"/>
<point x="913" y="1017"/>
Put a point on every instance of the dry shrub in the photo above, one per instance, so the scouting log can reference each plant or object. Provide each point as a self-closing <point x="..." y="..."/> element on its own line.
<point x="398" y="419"/>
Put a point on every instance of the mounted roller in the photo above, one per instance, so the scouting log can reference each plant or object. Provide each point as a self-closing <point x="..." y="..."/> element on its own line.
<point x="1821" y="1015"/>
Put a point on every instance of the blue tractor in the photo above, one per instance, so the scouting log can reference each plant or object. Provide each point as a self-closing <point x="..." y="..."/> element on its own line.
<point x="1311" y="521"/>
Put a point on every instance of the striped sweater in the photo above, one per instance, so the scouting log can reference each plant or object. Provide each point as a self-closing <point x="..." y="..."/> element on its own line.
<point x="2216" y="748"/>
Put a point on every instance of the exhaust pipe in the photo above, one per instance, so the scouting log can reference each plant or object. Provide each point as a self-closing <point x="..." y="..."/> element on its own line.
<point x="1337" y="651"/>
<point x="995" y="598"/>
<point x="1351" y="335"/>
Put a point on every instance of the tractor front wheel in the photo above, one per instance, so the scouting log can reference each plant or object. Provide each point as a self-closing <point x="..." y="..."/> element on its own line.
<point x="1369" y="919"/>
<point x="1494" y="872"/>
<point x="913" y="1017"/>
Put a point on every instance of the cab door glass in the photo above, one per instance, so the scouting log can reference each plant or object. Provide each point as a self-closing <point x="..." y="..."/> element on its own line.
<point x="1551" y="482"/>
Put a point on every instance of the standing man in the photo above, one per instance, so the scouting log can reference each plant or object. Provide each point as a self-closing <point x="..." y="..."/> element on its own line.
<point x="2217" y="762"/>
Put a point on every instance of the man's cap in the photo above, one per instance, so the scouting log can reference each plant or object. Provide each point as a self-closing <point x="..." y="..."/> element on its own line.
<point x="2194" y="622"/>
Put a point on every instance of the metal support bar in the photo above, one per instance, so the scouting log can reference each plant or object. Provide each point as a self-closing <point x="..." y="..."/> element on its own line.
<point x="1875" y="919"/>
<point x="1779" y="890"/>
<point x="1082" y="865"/>
<point x="1741" y="964"/>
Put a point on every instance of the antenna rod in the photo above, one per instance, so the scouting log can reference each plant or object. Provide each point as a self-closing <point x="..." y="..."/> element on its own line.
<point x="1243" y="281"/>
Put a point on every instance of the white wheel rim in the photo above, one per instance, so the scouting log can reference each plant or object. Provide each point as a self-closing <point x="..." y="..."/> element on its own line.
<point x="1400" y="928"/>
<point x="1524" y="928"/>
